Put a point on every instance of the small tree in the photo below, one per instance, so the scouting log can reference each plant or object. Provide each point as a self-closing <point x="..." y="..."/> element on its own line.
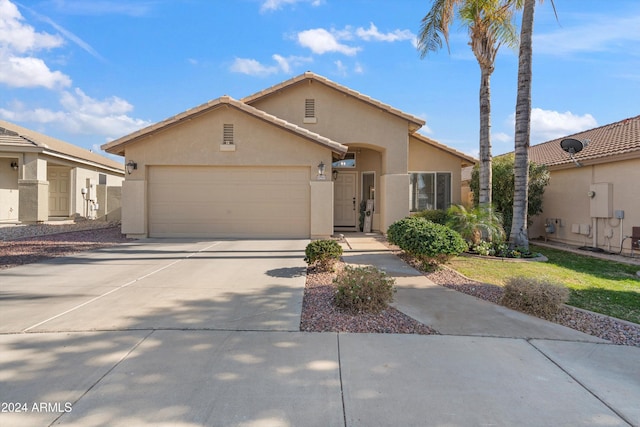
<point x="503" y="187"/>
<point x="476" y="224"/>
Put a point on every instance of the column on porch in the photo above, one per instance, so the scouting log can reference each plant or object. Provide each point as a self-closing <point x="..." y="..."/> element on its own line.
<point x="394" y="185"/>
<point x="33" y="188"/>
<point x="321" y="209"/>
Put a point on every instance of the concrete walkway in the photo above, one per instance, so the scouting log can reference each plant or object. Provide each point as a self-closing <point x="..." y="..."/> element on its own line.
<point x="446" y="310"/>
<point x="176" y="360"/>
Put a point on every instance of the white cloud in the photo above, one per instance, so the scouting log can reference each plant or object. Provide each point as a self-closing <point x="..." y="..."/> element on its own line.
<point x="17" y="41"/>
<point x="599" y="34"/>
<point x="82" y="114"/>
<point x="278" y="4"/>
<point x="372" y="33"/>
<point x="547" y="124"/>
<point x="253" y="67"/>
<point x="501" y="137"/>
<point x="340" y="68"/>
<point x="30" y="72"/>
<point x="321" y="41"/>
<point x="18" y="37"/>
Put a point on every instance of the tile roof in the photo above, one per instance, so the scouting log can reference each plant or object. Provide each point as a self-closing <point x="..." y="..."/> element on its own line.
<point x="415" y="123"/>
<point x="605" y="143"/>
<point x="117" y="146"/>
<point x="12" y="135"/>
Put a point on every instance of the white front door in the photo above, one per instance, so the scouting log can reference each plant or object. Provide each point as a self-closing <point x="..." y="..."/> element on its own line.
<point x="345" y="209"/>
<point x="59" y="180"/>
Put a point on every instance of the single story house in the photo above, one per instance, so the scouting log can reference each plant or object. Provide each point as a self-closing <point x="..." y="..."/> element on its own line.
<point x="43" y="178"/>
<point x="593" y="196"/>
<point x="294" y="160"/>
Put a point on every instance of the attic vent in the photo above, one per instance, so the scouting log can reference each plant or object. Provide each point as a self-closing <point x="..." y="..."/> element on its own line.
<point x="227" y="134"/>
<point x="309" y="111"/>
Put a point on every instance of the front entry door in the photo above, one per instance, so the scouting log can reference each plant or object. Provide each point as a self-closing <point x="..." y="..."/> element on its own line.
<point x="345" y="209"/>
<point x="59" y="180"/>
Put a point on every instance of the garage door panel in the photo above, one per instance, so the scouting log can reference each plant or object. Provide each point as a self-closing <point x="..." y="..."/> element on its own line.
<point x="229" y="202"/>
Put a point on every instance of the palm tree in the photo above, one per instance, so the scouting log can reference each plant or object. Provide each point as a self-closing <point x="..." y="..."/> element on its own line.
<point x="489" y="25"/>
<point x="518" y="236"/>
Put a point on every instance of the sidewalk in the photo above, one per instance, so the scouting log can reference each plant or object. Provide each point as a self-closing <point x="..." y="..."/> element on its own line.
<point x="448" y="311"/>
<point x="488" y="334"/>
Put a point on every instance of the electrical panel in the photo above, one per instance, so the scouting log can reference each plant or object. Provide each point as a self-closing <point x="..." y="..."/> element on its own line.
<point x="601" y="195"/>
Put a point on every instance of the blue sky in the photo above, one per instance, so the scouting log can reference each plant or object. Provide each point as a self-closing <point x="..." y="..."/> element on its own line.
<point x="88" y="72"/>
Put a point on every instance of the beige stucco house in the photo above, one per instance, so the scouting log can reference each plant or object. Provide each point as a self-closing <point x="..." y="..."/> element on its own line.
<point x="593" y="199"/>
<point x="42" y="178"/>
<point x="294" y="160"/>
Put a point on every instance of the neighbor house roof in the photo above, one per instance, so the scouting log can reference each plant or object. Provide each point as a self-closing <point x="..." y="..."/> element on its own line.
<point x="415" y="123"/>
<point x="117" y="146"/>
<point x="466" y="159"/>
<point x="17" y="138"/>
<point x="610" y="142"/>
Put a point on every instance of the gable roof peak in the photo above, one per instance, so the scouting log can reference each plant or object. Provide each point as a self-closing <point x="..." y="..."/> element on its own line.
<point x="414" y="122"/>
<point x="117" y="146"/>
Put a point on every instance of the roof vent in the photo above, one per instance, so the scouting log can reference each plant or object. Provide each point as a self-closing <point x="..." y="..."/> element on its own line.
<point x="227" y="134"/>
<point x="309" y="111"/>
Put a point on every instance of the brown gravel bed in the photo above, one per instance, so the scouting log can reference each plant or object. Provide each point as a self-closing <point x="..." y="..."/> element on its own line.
<point x="598" y="325"/>
<point x="41" y="247"/>
<point x="319" y="314"/>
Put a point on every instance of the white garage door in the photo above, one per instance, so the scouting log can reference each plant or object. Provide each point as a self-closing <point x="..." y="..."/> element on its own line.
<point x="229" y="201"/>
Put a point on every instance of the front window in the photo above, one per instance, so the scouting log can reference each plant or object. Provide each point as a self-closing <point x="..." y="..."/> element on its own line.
<point x="349" y="161"/>
<point x="429" y="190"/>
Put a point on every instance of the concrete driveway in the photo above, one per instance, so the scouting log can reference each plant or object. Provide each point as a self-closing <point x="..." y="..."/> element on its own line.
<point x="160" y="284"/>
<point x="193" y="333"/>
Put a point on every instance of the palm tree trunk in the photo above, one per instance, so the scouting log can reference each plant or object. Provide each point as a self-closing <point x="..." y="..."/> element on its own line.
<point x="519" y="227"/>
<point x="484" y="198"/>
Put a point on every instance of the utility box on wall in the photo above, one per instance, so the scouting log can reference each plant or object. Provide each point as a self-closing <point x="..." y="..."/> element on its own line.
<point x="601" y="195"/>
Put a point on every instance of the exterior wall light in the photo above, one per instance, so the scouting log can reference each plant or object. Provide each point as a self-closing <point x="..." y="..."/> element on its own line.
<point x="335" y="174"/>
<point x="131" y="166"/>
<point x="14" y="166"/>
<point x="321" y="175"/>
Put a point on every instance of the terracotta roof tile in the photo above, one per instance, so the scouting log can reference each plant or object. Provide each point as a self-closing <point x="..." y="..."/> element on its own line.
<point x="605" y="141"/>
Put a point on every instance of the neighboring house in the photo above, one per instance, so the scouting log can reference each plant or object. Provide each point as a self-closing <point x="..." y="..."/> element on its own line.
<point x="594" y="201"/>
<point x="294" y="160"/>
<point x="42" y="178"/>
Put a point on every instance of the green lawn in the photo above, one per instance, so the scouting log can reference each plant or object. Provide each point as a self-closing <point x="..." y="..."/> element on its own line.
<point x="602" y="286"/>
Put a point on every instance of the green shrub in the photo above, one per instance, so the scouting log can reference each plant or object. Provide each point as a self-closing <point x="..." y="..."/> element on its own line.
<point x="363" y="289"/>
<point x="323" y="253"/>
<point x="434" y="215"/>
<point x="537" y="297"/>
<point x="431" y="243"/>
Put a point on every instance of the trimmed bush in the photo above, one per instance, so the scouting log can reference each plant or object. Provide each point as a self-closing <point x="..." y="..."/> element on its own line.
<point x="363" y="289"/>
<point x="434" y="215"/>
<point x="537" y="297"/>
<point x="323" y="253"/>
<point x="431" y="243"/>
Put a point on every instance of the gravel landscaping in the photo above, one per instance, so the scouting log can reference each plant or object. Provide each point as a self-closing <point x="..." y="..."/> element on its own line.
<point x="608" y="328"/>
<point x="319" y="314"/>
<point x="24" y="244"/>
